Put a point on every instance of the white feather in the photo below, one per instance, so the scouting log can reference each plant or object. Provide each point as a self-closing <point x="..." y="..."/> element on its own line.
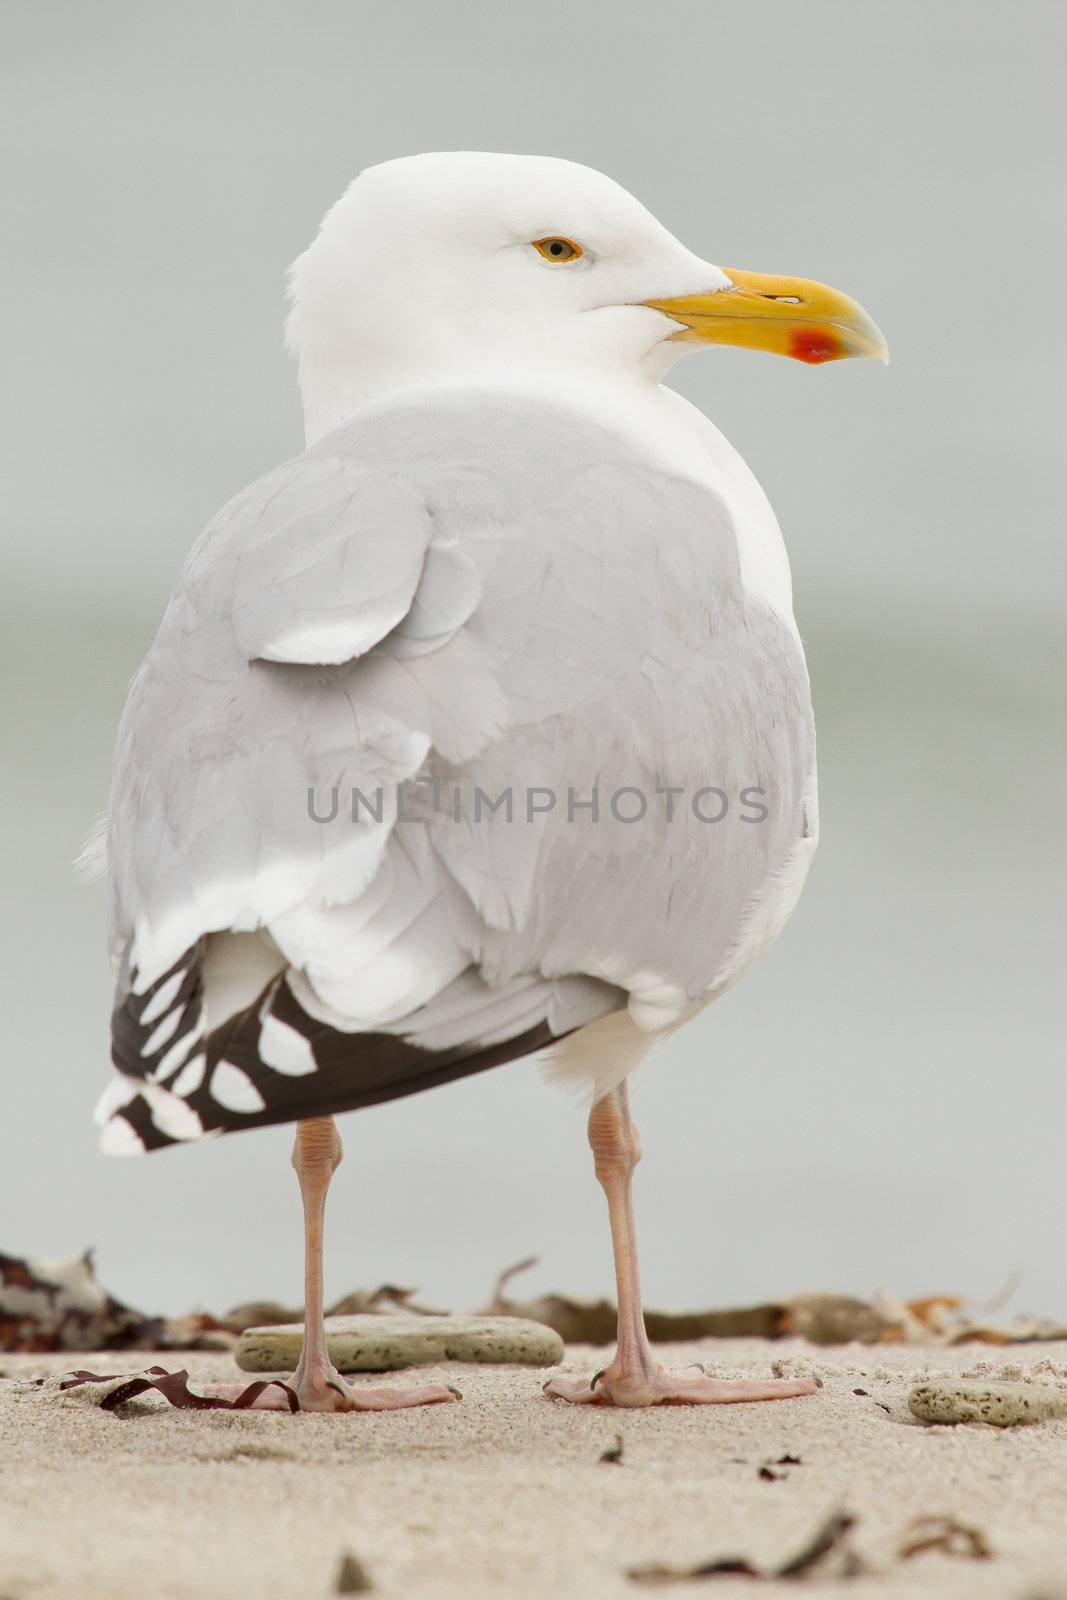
<point x="90" y="862"/>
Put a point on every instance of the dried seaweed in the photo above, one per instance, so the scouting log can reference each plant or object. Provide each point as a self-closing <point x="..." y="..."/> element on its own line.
<point x="594" y="1321"/>
<point x="384" y="1300"/>
<point x="952" y="1538"/>
<point x="829" y="1553"/>
<point x="723" y="1567"/>
<point x="197" y="1331"/>
<point x="352" y="1576"/>
<point x="59" y="1305"/>
<point x="256" y="1314"/>
<point x="831" y="1538"/>
<point x="827" y="1538"/>
<point x="822" y="1319"/>
<point x="52" y="1306"/>
<point x="55" y="1306"/>
<point x="834" y="1319"/>
<point x="174" y="1387"/>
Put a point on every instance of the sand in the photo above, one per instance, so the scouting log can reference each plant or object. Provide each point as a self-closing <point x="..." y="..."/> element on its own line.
<point x="504" y="1495"/>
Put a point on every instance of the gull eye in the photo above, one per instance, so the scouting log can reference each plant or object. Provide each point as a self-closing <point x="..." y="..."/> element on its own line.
<point x="557" y="250"/>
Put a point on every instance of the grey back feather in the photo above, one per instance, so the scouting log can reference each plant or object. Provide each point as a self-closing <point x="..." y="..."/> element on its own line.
<point x="496" y="596"/>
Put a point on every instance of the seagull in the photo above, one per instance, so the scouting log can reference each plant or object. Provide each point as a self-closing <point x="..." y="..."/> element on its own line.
<point x="482" y="729"/>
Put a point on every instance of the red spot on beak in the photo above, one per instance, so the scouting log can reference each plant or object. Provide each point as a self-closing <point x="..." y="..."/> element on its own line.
<point x="813" y="345"/>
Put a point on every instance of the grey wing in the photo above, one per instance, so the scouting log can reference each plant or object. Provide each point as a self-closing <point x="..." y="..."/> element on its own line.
<point x="481" y="597"/>
<point x="260" y="703"/>
<point x="311" y="661"/>
<point x="666" y="742"/>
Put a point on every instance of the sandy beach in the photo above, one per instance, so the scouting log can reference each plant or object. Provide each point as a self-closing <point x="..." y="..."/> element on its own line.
<point x="506" y="1495"/>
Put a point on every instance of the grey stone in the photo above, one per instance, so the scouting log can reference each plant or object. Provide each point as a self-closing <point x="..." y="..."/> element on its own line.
<point x="382" y="1343"/>
<point x="1003" y="1405"/>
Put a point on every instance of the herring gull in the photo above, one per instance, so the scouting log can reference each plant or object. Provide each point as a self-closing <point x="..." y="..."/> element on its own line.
<point x="480" y="730"/>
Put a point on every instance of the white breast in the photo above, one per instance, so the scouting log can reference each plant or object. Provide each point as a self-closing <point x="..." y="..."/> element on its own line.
<point x="714" y="461"/>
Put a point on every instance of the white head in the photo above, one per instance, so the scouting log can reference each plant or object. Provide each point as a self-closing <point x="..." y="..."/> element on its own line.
<point x="466" y="266"/>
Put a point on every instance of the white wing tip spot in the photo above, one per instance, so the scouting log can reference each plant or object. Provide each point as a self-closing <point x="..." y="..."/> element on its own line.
<point x="172" y="1115"/>
<point x="118" y="1139"/>
<point x="190" y="1076"/>
<point x="234" y="1089"/>
<point x="284" y="1049"/>
<point x="119" y="1092"/>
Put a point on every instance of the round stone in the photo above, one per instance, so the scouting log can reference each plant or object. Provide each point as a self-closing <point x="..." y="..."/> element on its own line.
<point x="1002" y="1405"/>
<point x="383" y="1343"/>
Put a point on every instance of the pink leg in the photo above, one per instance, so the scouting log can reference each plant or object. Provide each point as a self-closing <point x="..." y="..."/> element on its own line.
<point x="318" y="1384"/>
<point x="635" y="1377"/>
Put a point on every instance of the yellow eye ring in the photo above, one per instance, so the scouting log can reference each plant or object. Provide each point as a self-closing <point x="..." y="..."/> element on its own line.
<point x="557" y="249"/>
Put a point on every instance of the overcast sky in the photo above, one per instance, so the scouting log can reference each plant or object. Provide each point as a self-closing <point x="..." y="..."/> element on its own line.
<point x="169" y="163"/>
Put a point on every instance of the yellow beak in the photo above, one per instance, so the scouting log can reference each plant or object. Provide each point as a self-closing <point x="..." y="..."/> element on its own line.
<point x="788" y="316"/>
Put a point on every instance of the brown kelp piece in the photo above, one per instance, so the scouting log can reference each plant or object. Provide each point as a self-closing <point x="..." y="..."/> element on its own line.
<point x="834" y="1319"/>
<point x="352" y="1576"/>
<point x="197" y="1330"/>
<point x="722" y="1567"/>
<point x="1025" y="1330"/>
<point x="952" y="1538"/>
<point x="823" y="1319"/>
<point x="386" y="1300"/>
<point x="259" y="1314"/>
<point x="174" y="1387"/>
<point x="595" y="1321"/>
<point x="830" y="1539"/>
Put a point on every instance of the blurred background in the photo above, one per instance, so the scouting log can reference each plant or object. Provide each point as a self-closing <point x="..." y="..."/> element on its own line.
<point x="882" y="1102"/>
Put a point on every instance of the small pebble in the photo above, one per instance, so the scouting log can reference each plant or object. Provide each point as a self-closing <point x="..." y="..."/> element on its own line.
<point x="372" y="1343"/>
<point x="1002" y="1405"/>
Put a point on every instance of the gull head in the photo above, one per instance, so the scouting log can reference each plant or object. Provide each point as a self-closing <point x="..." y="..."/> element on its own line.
<point x="465" y="267"/>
